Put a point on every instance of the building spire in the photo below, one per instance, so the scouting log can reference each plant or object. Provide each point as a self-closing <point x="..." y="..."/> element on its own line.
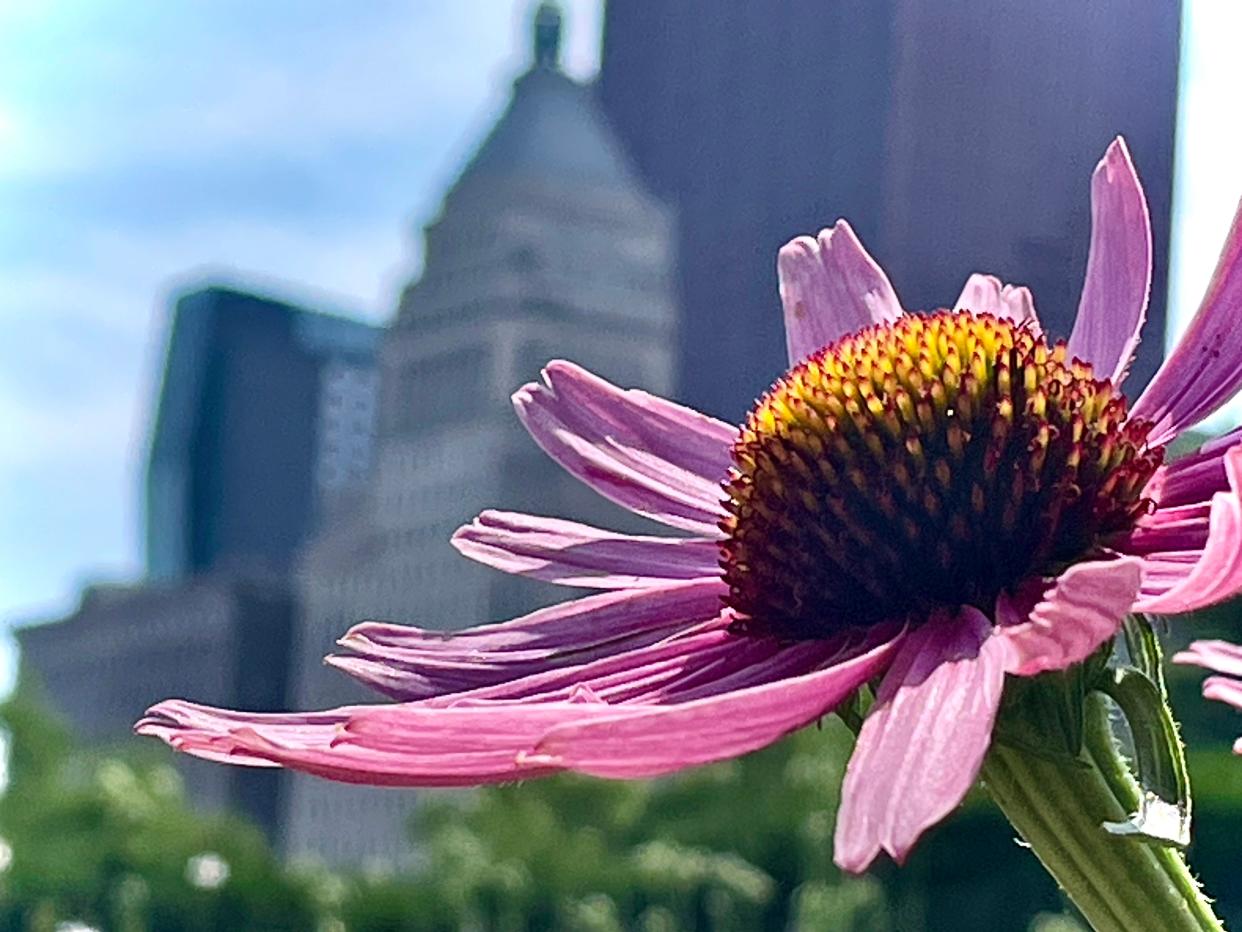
<point x="547" y="36"/>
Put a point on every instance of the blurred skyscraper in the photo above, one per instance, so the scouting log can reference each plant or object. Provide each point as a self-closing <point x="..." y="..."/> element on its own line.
<point x="956" y="136"/>
<point x="546" y="246"/>
<point x="265" y="419"/>
<point x="265" y="426"/>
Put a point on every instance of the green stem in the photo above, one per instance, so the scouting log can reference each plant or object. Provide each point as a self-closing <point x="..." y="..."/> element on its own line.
<point x="1059" y="804"/>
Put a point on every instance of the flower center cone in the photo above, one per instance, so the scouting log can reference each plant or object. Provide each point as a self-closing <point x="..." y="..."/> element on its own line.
<point x="933" y="462"/>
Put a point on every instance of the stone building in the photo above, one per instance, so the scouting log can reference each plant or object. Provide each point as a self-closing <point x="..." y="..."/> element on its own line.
<point x="546" y="246"/>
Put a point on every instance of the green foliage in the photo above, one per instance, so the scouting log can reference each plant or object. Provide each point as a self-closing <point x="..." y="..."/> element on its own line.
<point x="109" y="842"/>
<point x="739" y="846"/>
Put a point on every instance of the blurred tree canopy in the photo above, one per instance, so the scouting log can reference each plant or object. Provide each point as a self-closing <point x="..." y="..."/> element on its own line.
<point x="107" y="840"/>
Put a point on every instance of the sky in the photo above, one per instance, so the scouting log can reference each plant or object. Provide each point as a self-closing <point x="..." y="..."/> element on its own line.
<point x="295" y="146"/>
<point x="1207" y="180"/>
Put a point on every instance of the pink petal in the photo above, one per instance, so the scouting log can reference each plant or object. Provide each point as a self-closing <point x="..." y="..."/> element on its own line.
<point x="649" y="455"/>
<point x="412" y="745"/>
<point x="923" y="741"/>
<point x="417" y="663"/>
<point x="761" y="666"/>
<point x="1205" y="368"/>
<point x="1183" y="582"/>
<point x="694" y="666"/>
<point x="399" y="745"/>
<point x="1114" y="295"/>
<point x="574" y="554"/>
<point x="1223" y="689"/>
<point x="205" y="731"/>
<point x="573" y="626"/>
<point x="1182" y="527"/>
<point x="663" y="739"/>
<point x="1163" y="570"/>
<point x="986" y="294"/>
<point x="1195" y="477"/>
<point x="1183" y="492"/>
<point x="481" y="741"/>
<point x="649" y="669"/>
<point x="1077" y="613"/>
<point x="1220" y="656"/>
<point x="829" y="287"/>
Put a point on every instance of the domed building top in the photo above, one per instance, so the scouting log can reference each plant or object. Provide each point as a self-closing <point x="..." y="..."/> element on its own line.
<point x="553" y="129"/>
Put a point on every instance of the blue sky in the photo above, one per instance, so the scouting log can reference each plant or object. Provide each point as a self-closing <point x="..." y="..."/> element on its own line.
<point x="297" y="146"/>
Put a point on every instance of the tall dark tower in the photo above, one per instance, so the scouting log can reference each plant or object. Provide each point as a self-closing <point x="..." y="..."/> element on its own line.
<point x="264" y="419"/>
<point x="956" y="136"/>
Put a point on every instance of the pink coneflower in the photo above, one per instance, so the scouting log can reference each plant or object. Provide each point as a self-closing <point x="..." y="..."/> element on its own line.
<point x="924" y="503"/>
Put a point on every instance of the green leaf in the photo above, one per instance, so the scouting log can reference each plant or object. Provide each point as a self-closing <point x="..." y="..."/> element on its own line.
<point x="1164" y="809"/>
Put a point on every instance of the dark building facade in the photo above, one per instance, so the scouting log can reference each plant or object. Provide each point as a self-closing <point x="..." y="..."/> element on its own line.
<point x="955" y="136"/>
<point x="265" y="419"/>
<point x="264" y="429"/>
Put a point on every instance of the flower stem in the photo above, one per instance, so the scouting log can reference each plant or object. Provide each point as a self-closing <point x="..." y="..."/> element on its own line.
<point x="1059" y="804"/>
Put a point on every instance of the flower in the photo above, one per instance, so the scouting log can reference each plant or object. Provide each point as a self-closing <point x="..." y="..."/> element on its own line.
<point x="925" y="503"/>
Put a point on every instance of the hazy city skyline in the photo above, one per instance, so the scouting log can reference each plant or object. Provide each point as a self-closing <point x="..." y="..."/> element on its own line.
<point x="300" y="167"/>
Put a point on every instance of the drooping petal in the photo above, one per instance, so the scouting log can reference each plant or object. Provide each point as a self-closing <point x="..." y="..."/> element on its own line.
<point x="1114" y="295"/>
<point x="1072" y="617"/>
<point x="1162" y="570"/>
<point x="411" y="745"/>
<point x="205" y="731"/>
<point x="763" y="665"/>
<point x="664" y="739"/>
<point x="1205" y="368"/>
<point x="708" y="661"/>
<point x="573" y="554"/>
<point x="433" y="663"/>
<point x="656" y="458"/>
<point x="478" y="741"/>
<point x="829" y="287"/>
<point x="1224" y="689"/>
<point x="576" y="625"/>
<point x="1183" y="581"/>
<point x="923" y="741"/>
<point x="986" y="294"/>
<point x="694" y="666"/>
